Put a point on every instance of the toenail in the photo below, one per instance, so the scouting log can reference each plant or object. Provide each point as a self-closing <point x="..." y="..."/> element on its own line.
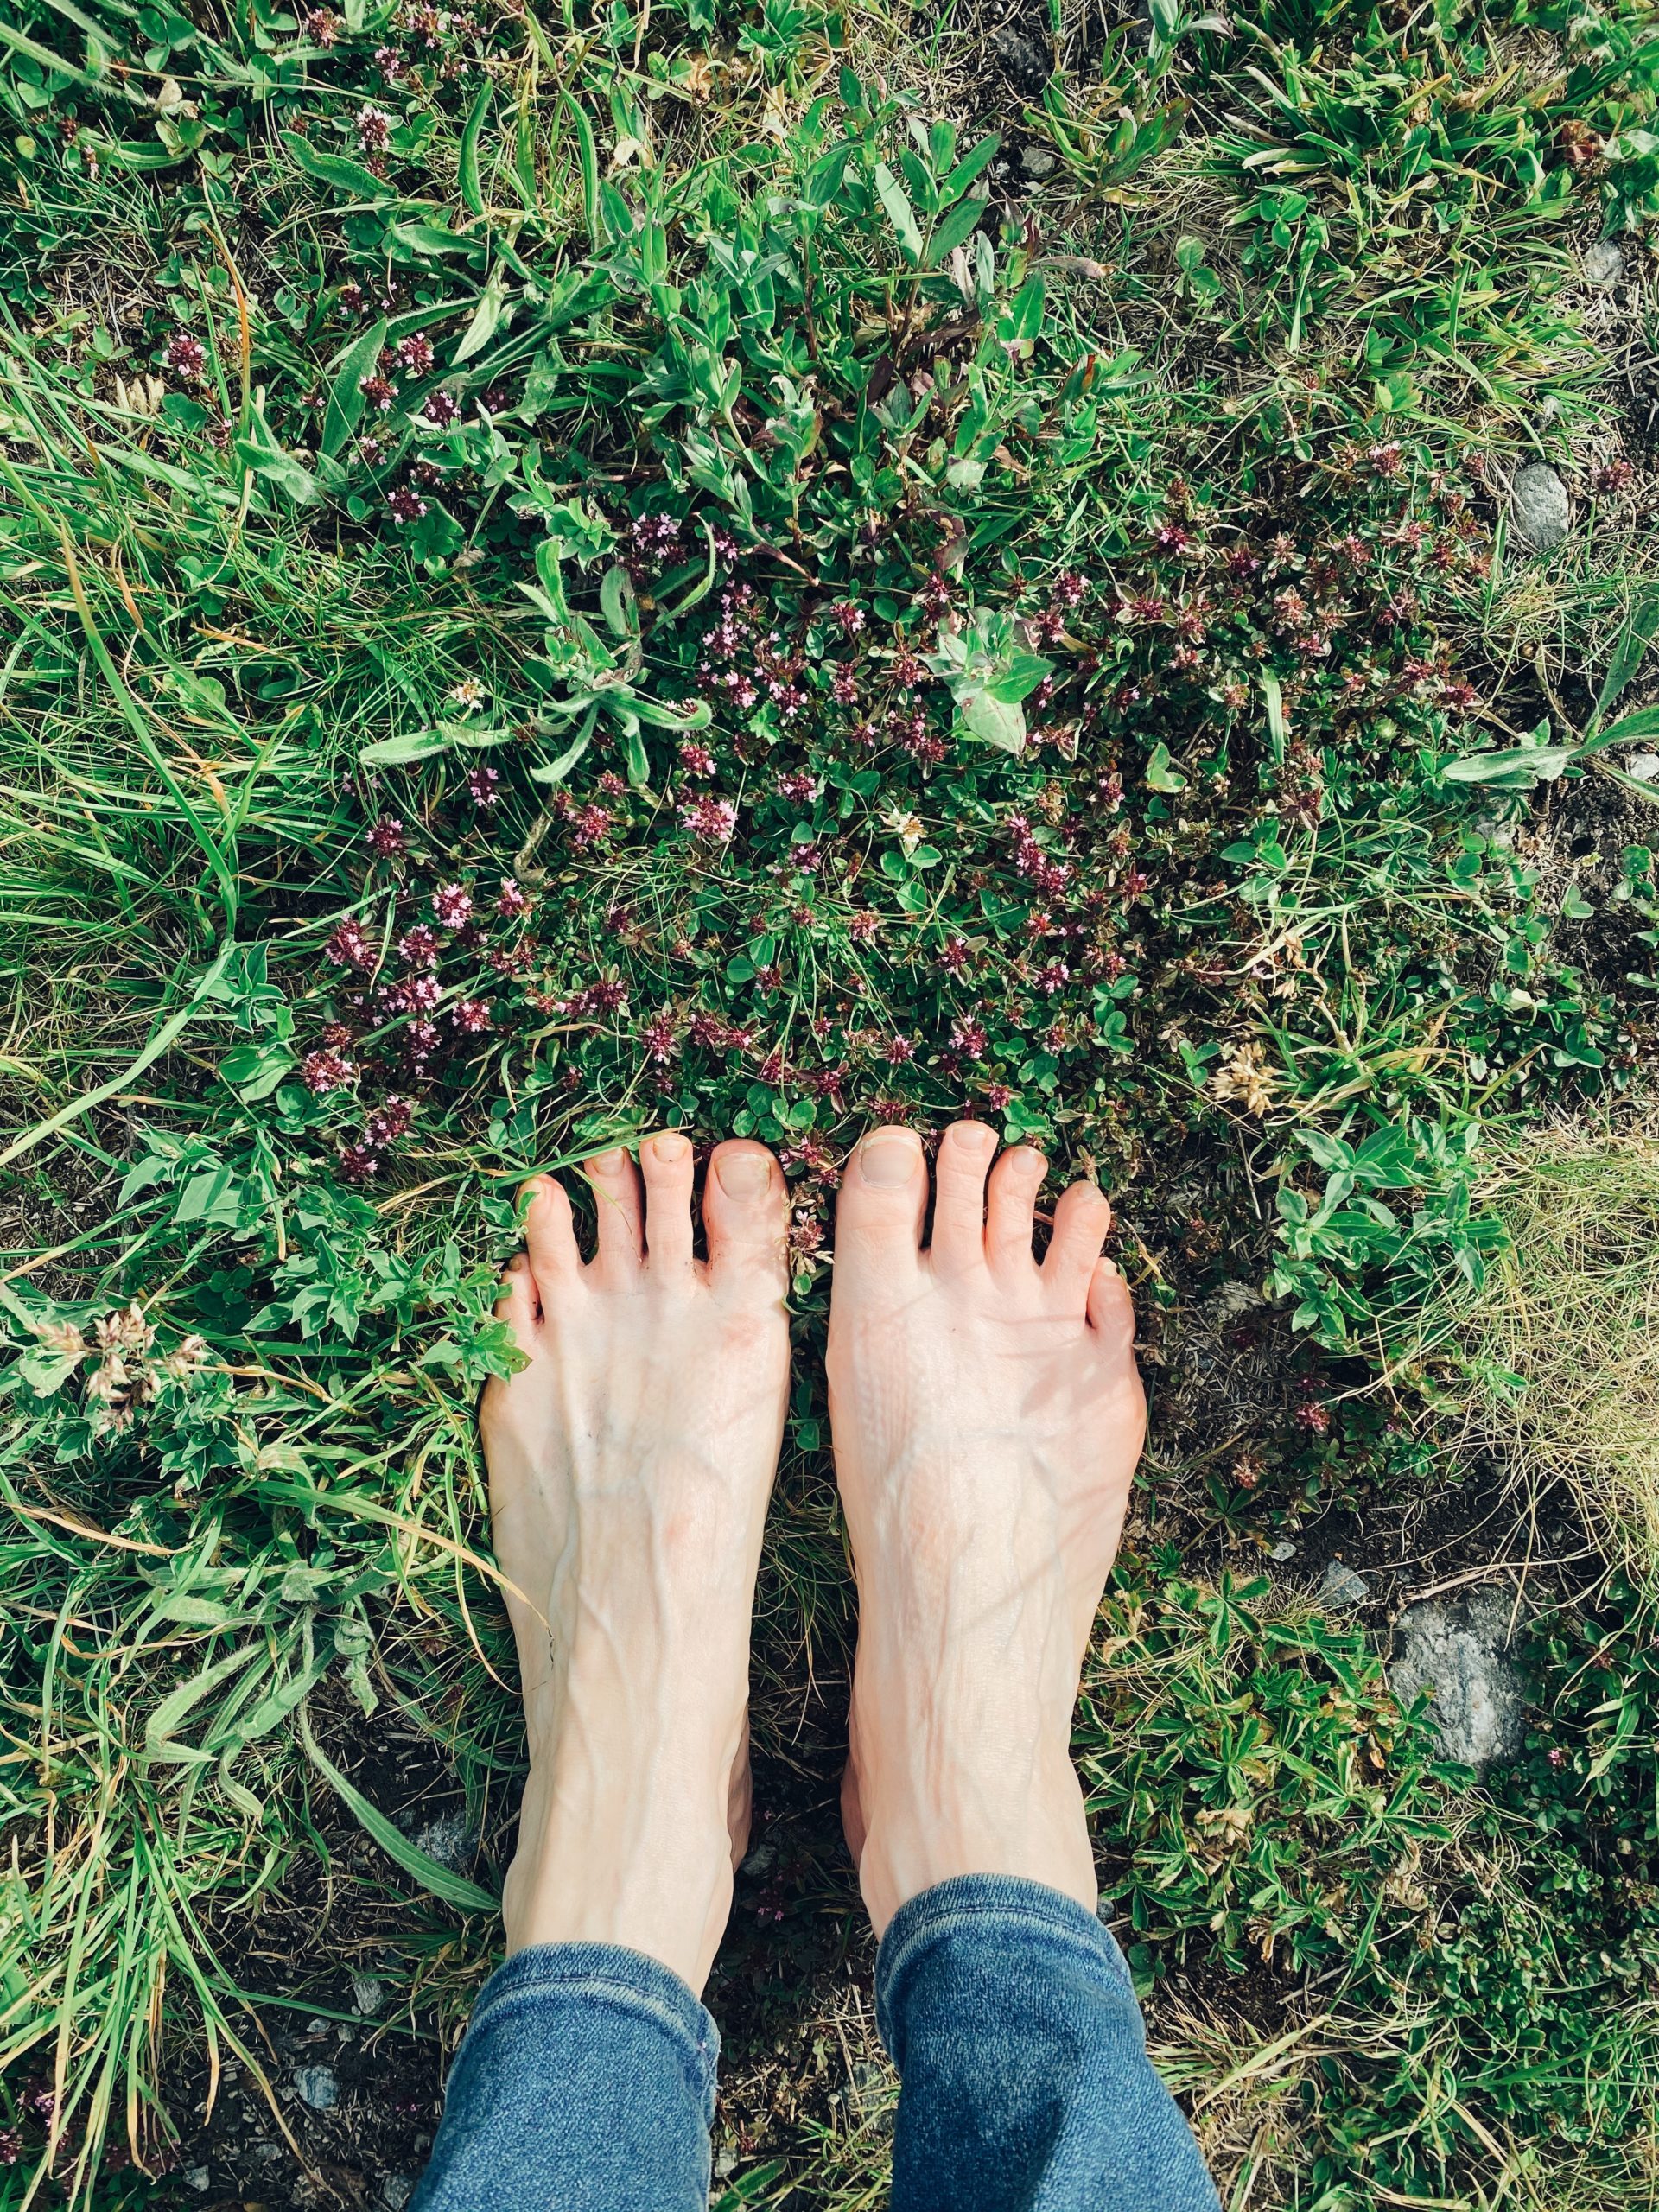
<point x="608" y="1163"/>
<point x="742" y="1174"/>
<point x="980" y="1135"/>
<point x="669" y="1147"/>
<point x="888" y="1157"/>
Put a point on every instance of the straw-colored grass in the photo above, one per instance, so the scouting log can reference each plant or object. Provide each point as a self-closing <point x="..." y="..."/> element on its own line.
<point x="1558" y="1353"/>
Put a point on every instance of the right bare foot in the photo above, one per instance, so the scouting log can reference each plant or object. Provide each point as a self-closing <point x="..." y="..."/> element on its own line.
<point x="987" y="1418"/>
<point x="631" y="1459"/>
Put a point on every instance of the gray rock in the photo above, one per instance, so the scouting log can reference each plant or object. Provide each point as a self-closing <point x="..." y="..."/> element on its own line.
<point x="368" y="1995"/>
<point x="1037" y="160"/>
<point x="1456" y="1647"/>
<point x="449" y="1839"/>
<point x="1604" y="263"/>
<point x="1645" y="767"/>
<point x="1541" y="509"/>
<point x="396" y="2191"/>
<point x="318" y="2086"/>
<point x="1282" y="1550"/>
<point x="197" y="2178"/>
<point x="1026" y="60"/>
<point x="1340" y="1586"/>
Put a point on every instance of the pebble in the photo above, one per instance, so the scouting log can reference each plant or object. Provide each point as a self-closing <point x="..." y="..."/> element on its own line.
<point x="368" y="1995"/>
<point x="1037" y="160"/>
<point x="1541" y="507"/>
<point x="1340" y="1586"/>
<point x="1457" y="1648"/>
<point x="318" y="2086"/>
<point x="396" y="2191"/>
<point x="1282" y="1550"/>
<point x="1645" y="767"/>
<point x="450" y="1841"/>
<point x="197" y="2178"/>
<point x="1604" y="263"/>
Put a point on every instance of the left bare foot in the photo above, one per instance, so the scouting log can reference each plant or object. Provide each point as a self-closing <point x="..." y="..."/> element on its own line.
<point x="630" y="1465"/>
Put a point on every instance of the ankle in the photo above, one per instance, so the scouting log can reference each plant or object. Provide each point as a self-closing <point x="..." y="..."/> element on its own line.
<point x="652" y="1874"/>
<point x="944" y="1817"/>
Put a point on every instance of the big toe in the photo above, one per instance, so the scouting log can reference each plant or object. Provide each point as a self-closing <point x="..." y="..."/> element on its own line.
<point x="882" y="1200"/>
<point x="745" y="1214"/>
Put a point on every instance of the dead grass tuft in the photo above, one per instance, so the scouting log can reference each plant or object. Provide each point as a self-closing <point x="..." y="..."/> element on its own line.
<point x="1558" y="1354"/>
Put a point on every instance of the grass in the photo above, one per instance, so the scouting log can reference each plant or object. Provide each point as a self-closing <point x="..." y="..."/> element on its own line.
<point x="742" y="567"/>
<point x="1559" y="1345"/>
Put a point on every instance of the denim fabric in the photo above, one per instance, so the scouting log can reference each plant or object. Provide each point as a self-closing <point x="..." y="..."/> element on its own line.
<point x="586" y="2082"/>
<point x="1026" y="2087"/>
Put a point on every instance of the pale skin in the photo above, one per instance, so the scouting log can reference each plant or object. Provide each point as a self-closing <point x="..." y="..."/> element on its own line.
<point x="987" y="1418"/>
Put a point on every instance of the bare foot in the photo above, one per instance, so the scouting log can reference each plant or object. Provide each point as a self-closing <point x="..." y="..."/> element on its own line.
<point x="987" y="1417"/>
<point x="630" y="1465"/>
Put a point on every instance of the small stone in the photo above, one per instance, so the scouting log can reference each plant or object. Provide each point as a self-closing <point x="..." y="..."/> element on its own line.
<point x="759" y="1861"/>
<point x="1037" y="160"/>
<point x="450" y="1841"/>
<point x="396" y="2191"/>
<point x="1645" y="767"/>
<point x="1027" y="62"/>
<point x="197" y="2178"/>
<point x="316" y="2027"/>
<point x="1458" y="1649"/>
<point x="1340" y="1586"/>
<point x="318" y="2086"/>
<point x="1541" y="514"/>
<point x="725" y="2164"/>
<point x="368" y="1995"/>
<point x="1284" y="1549"/>
<point x="1604" y="263"/>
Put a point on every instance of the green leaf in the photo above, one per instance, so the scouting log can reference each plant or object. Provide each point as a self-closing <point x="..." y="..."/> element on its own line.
<point x="1644" y="722"/>
<point x="998" y="721"/>
<point x="902" y="216"/>
<point x="344" y="408"/>
<point x="975" y="159"/>
<point x="958" y="224"/>
<point x="1161" y="775"/>
<point x="472" y="189"/>
<point x="587" y="157"/>
<point x="1633" y="642"/>
<point x="617" y="601"/>
<point x="334" y="170"/>
<point x="1516" y="769"/>
<point x="555" y="771"/>
<point x="398" y="751"/>
<point x="633" y="748"/>
<point x="488" y="314"/>
<point x="454" y="1889"/>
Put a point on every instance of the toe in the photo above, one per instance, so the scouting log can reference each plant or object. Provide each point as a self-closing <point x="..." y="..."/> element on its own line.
<point x="666" y="1163"/>
<point x="1081" y="1220"/>
<point x="966" y="1151"/>
<point x="621" y="1218"/>
<point x="517" y="1304"/>
<point x="1111" y="1309"/>
<point x="550" y="1240"/>
<point x="882" y="1197"/>
<point x="745" y="1214"/>
<point x="1015" y="1181"/>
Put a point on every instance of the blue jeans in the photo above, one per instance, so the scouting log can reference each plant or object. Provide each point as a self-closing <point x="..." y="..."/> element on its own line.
<point x="586" y="2081"/>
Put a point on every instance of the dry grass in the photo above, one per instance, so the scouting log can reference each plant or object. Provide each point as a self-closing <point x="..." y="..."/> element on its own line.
<point x="1557" y="1355"/>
